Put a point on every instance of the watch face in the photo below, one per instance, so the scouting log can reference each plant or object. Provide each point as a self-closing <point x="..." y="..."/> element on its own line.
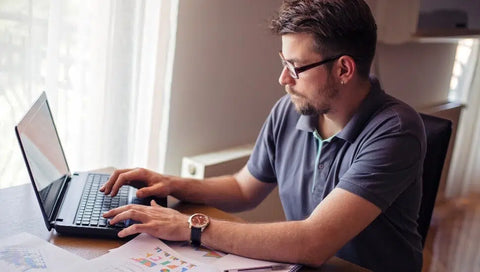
<point x="199" y="220"/>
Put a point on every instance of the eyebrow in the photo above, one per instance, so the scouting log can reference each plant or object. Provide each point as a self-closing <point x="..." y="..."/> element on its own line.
<point x="294" y="60"/>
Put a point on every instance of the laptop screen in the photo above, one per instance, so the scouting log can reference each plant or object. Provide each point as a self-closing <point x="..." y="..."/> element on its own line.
<point x="43" y="152"/>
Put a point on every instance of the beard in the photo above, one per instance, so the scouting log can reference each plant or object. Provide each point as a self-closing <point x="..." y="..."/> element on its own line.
<point x="302" y="105"/>
<point x="322" y="103"/>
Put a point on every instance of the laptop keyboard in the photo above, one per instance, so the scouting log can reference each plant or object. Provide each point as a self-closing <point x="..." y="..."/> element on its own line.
<point x="94" y="203"/>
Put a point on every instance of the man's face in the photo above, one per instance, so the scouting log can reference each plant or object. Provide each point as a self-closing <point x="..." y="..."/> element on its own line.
<point x="315" y="90"/>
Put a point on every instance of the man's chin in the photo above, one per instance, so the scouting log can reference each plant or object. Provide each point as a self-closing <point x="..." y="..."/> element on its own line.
<point x="302" y="108"/>
<point x="305" y="110"/>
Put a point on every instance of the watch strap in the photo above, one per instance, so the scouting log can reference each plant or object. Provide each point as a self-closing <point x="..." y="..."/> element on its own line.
<point x="195" y="236"/>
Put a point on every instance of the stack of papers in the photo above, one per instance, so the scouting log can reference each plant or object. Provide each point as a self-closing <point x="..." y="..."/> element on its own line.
<point x="147" y="253"/>
<point x="228" y="262"/>
<point x="144" y="253"/>
<point x="26" y="252"/>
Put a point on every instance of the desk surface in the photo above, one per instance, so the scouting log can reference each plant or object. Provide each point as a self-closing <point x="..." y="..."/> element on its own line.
<point x="22" y="214"/>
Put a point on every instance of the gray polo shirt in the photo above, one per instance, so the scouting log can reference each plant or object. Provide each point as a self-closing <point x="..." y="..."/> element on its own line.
<point x="378" y="155"/>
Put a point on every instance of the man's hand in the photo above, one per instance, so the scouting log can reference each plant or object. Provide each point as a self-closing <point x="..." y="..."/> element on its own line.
<point x="155" y="220"/>
<point x="148" y="182"/>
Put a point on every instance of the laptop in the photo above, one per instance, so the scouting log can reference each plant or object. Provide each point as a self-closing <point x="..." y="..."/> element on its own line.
<point x="70" y="202"/>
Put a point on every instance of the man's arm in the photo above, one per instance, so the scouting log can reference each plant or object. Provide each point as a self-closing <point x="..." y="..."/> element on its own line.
<point x="231" y="193"/>
<point x="336" y="220"/>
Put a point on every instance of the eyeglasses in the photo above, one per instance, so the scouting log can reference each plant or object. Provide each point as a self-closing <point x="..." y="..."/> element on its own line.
<point x="294" y="71"/>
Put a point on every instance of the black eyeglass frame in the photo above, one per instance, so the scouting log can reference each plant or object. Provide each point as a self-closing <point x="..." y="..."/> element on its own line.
<point x="294" y="71"/>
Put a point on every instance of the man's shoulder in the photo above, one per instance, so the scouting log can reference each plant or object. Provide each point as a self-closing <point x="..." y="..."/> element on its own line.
<point x="382" y="114"/>
<point x="395" y="113"/>
<point x="387" y="110"/>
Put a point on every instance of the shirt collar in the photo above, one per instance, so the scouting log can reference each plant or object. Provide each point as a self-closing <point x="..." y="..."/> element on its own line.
<point x="350" y="132"/>
<point x="307" y="122"/>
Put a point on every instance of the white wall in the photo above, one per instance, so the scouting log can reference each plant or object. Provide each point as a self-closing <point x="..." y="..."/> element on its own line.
<point x="225" y="76"/>
<point x="226" y="69"/>
<point x="417" y="73"/>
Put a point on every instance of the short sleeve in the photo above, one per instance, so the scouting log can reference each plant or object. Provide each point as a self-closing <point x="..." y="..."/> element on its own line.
<point x="386" y="164"/>
<point x="261" y="162"/>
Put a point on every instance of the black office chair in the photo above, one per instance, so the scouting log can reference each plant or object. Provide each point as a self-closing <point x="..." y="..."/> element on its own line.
<point x="438" y="133"/>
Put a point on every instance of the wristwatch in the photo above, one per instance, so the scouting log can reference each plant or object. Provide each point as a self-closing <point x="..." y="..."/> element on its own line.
<point x="197" y="223"/>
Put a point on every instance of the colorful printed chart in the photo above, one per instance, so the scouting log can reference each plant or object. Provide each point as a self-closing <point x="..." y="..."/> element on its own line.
<point x="203" y="254"/>
<point x="25" y="252"/>
<point x="144" y="253"/>
<point x="22" y="259"/>
<point x="164" y="261"/>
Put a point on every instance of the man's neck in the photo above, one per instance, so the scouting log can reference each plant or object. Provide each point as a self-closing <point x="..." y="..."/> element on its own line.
<point x="327" y="127"/>
<point x="343" y="110"/>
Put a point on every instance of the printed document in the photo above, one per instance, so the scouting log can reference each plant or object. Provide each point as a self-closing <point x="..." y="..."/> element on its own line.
<point x="26" y="252"/>
<point x="144" y="253"/>
<point x="147" y="253"/>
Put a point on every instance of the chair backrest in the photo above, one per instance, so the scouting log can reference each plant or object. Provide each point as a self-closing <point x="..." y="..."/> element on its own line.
<point x="438" y="133"/>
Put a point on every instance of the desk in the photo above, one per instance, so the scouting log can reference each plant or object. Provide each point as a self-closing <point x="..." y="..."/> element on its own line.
<point x="22" y="214"/>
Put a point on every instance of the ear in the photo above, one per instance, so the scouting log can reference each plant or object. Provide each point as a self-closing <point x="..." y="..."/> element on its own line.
<point x="346" y="69"/>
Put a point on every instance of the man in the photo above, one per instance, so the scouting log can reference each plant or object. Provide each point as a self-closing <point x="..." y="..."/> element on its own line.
<point x="347" y="158"/>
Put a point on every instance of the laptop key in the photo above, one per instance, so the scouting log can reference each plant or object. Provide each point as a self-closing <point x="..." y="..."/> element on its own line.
<point x="94" y="203"/>
<point x="102" y="222"/>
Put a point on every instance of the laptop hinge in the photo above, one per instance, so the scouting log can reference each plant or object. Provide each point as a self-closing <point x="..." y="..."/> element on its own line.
<point x="58" y="201"/>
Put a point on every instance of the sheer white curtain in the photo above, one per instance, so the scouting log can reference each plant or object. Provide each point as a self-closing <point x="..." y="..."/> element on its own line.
<point x="105" y="66"/>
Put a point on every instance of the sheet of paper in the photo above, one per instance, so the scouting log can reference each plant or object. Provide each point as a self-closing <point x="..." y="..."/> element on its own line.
<point x="224" y="261"/>
<point x="232" y="262"/>
<point x="201" y="254"/>
<point x="26" y="252"/>
<point x="144" y="253"/>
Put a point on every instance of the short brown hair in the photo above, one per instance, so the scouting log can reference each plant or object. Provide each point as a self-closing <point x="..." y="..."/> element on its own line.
<point x="338" y="27"/>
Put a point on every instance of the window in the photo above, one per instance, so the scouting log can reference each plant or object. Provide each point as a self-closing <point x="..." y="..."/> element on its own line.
<point x="97" y="62"/>
<point x="463" y="70"/>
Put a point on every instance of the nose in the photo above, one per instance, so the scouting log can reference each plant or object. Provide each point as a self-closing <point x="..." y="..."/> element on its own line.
<point x="285" y="77"/>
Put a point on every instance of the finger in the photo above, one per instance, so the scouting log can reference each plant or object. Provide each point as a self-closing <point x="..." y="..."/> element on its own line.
<point x="115" y="211"/>
<point x="107" y="187"/>
<point x="124" y="178"/>
<point x="158" y="189"/>
<point x="113" y="177"/>
<point x="153" y="203"/>
<point x="134" y="229"/>
<point x="134" y="214"/>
